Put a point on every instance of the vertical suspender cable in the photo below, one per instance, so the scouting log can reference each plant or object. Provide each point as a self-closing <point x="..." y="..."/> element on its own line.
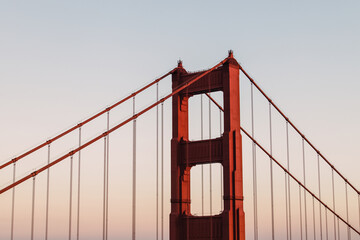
<point x="359" y="209"/>
<point x="186" y="166"/>
<point x="104" y="189"/>
<point x="134" y="175"/>
<point x="13" y="204"/>
<point x="162" y="171"/>
<point x="33" y="210"/>
<point x="314" y="217"/>
<point x="301" y="228"/>
<point x="47" y="196"/>
<point x="333" y="192"/>
<point x="221" y="170"/>
<point x="326" y="224"/>
<point x="254" y="166"/>
<point x="318" y="160"/>
<point x="210" y="166"/>
<point x="157" y="162"/>
<point x="347" y="210"/>
<point x="202" y="166"/>
<point x="338" y="227"/>
<point x="287" y="209"/>
<point x="78" y="188"/>
<point x="70" y="196"/>
<point x="271" y="177"/>
<point x="304" y="176"/>
<point x="107" y="176"/>
<point x="288" y="177"/>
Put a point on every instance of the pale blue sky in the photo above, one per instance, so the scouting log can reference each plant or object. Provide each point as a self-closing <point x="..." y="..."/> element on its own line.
<point x="61" y="61"/>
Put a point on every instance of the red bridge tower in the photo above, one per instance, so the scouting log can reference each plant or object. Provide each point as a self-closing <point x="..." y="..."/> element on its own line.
<point x="226" y="150"/>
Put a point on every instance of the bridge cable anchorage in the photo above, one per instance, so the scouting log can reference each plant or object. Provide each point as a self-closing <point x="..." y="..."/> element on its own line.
<point x="116" y="127"/>
<point x="347" y="210"/>
<point x="107" y="175"/>
<point x="333" y="195"/>
<point x="319" y="182"/>
<point x="33" y="208"/>
<point x="254" y="166"/>
<point x="47" y="194"/>
<point x="162" y="171"/>
<point x="302" y="185"/>
<point x="157" y="162"/>
<point x="295" y="128"/>
<point x="304" y="179"/>
<point x="202" y="166"/>
<point x="88" y="120"/>
<point x="134" y="174"/>
<point x="13" y="204"/>
<point x="70" y="197"/>
<point x="78" y="188"/>
<point x="271" y="176"/>
<point x="288" y="177"/>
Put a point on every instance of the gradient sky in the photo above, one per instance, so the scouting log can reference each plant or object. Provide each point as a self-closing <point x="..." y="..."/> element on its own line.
<point x="62" y="61"/>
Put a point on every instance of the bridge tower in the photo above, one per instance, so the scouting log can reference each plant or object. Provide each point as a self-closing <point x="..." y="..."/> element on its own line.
<point x="226" y="150"/>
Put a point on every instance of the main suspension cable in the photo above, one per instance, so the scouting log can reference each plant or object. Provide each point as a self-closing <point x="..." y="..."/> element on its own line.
<point x="295" y="128"/>
<point x="95" y="139"/>
<point x="87" y="120"/>
<point x="302" y="185"/>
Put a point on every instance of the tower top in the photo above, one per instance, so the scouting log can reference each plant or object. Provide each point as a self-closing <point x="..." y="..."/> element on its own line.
<point x="180" y="64"/>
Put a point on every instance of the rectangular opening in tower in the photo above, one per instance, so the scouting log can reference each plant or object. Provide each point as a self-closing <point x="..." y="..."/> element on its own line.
<point x="206" y="184"/>
<point x="205" y="111"/>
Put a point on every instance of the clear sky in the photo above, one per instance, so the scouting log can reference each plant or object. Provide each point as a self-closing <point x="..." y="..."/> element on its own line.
<point x="61" y="61"/>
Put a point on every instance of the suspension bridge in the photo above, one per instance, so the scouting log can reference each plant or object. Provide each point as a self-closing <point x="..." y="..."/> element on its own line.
<point x="199" y="173"/>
